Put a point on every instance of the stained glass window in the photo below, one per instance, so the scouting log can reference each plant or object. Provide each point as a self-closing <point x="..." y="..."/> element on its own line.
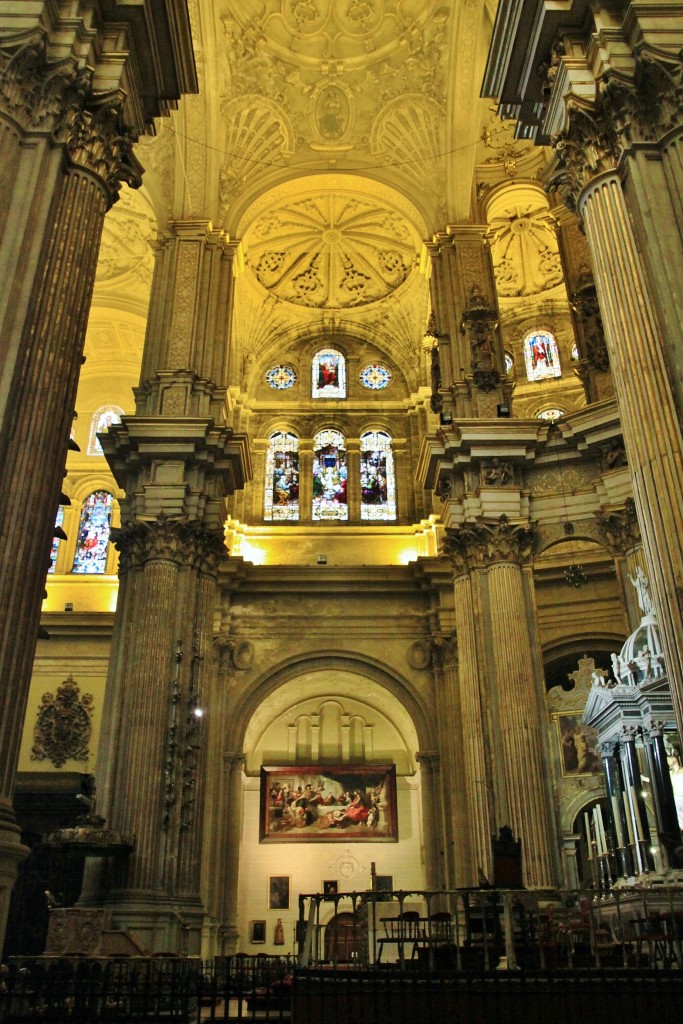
<point x="541" y="356"/>
<point x="281" y="498"/>
<point x="55" y="540"/>
<point x="329" y="476"/>
<point x="281" y="377"/>
<point x="550" y="414"/>
<point x="377" y="477"/>
<point x="93" y="533"/>
<point x="328" y="374"/>
<point x="376" y="377"/>
<point x="575" y="352"/>
<point x="102" y="421"/>
<point x="509" y="363"/>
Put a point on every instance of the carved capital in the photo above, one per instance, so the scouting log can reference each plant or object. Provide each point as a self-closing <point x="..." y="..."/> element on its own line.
<point x="55" y="98"/>
<point x="588" y="146"/>
<point x="484" y="544"/>
<point x="169" y="540"/>
<point x="443" y="648"/>
<point x="619" y="529"/>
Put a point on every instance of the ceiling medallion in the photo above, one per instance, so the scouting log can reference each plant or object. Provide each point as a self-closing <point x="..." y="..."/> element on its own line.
<point x="333" y="250"/>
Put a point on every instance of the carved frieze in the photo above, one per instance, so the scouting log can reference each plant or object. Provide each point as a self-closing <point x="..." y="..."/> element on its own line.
<point x="63" y="725"/>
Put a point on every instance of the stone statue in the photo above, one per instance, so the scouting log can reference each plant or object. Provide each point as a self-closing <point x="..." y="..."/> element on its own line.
<point x="642" y="584"/>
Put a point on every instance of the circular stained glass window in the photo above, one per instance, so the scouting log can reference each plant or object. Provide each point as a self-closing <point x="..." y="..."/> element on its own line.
<point x="376" y="377"/>
<point x="550" y="414"/>
<point x="281" y="377"/>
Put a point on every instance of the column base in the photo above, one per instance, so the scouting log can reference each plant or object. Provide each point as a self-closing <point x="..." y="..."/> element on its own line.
<point x="11" y="855"/>
<point x="157" y="923"/>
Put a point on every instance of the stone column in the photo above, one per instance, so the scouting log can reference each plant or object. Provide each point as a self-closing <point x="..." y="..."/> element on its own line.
<point x="452" y="821"/>
<point x="475" y="854"/>
<point x="431" y="835"/>
<point x="70" y="112"/>
<point x="353" y="478"/>
<point x="234" y="764"/>
<point x="616" y="813"/>
<point x="305" y="480"/>
<point x="518" y="739"/>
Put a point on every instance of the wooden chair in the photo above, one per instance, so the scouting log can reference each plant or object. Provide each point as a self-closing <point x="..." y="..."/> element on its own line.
<point x="401" y="931"/>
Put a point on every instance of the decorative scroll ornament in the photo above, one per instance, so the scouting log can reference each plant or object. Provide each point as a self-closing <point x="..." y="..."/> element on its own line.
<point x="188" y="543"/>
<point x="63" y="727"/>
<point x="479" y="322"/>
<point x="619" y="529"/>
<point x="484" y="544"/>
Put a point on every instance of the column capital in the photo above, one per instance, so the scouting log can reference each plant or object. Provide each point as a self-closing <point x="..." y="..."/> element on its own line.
<point x="427" y="759"/>
<point x="483" y="544"/>
<point x="182" y="542"/>
<point x="608" y="748"/>
<point x="619" y="528"/>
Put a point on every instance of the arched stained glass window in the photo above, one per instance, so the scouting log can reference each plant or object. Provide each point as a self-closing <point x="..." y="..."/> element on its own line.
<point x="377" y="477"/>
<point x="102" y="420"/>
<point x="93" y="533"/>
<point x="329" y="476"/>
<point x="509" y="363"/>
<point x="328" y="374"/>
<point x="55" y="540"/>
<point x="281" y="498"/>
<point x="541" y="356"/>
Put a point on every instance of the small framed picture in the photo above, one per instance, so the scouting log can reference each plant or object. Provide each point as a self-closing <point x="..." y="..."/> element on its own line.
<point x="384" y="883"/>
<point x="278" y="892"/>
<point x="258" y="932"/>
<point x="330" y="887"/>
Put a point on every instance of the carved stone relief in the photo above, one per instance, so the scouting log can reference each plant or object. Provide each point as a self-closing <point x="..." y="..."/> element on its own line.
<point x="63" y="725"/>
<point x="526" y="258"/>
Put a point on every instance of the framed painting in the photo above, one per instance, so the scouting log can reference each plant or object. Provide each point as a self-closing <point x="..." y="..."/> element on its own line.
<point x="278" y="892"/>
<point x="329" y="803"/>
<point x="578" y="745"/>
<point x="258" y="932"/>
<point x="330" y="887"/>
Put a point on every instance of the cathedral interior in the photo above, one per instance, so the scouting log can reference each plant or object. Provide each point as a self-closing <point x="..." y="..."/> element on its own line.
<point x="343" y="340"/>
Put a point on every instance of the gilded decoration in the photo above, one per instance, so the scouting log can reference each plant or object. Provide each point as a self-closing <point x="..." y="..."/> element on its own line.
<point x="331" y="250"/>
<point x="63" y="726"/>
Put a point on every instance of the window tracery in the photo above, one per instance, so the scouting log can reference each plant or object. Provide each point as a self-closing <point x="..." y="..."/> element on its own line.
<point x="281" y="377"/>
<point x="377" y="477"/>
<point x="330" y="474"/>
<point x="93" y="533"/>
<point x="376" y="377"/>
<point x="281" y="498"/>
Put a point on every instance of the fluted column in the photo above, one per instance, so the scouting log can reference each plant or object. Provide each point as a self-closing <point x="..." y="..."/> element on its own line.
<point x="69" y="115"/>
<point x="234" y="766"/>
<point x="475" y="854"/>
<point x="651" y="426"/>
<point x="451" y="800"/>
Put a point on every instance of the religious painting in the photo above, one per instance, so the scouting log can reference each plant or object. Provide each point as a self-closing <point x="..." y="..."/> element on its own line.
<point x="330" y="476"/>
<point x="328" y="374"/>
<point x="330" y="887"/>
<point x="278" y="892"/>
<point x="578" y="745"/>
<point x="377" y="480"/>
<point x="92" y="545"/>
<point x="281" y="499"/>
<point x="541" y="356"/>
<point x="258" y="932"/>
<point x="329" y="804"/>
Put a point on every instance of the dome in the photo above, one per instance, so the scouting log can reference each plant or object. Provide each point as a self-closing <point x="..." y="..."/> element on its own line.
<point x="641" y="659"/>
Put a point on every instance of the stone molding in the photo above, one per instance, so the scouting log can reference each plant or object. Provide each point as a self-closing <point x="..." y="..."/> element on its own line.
<point x="480" y="545"/>
<point x="185" y="543"/>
